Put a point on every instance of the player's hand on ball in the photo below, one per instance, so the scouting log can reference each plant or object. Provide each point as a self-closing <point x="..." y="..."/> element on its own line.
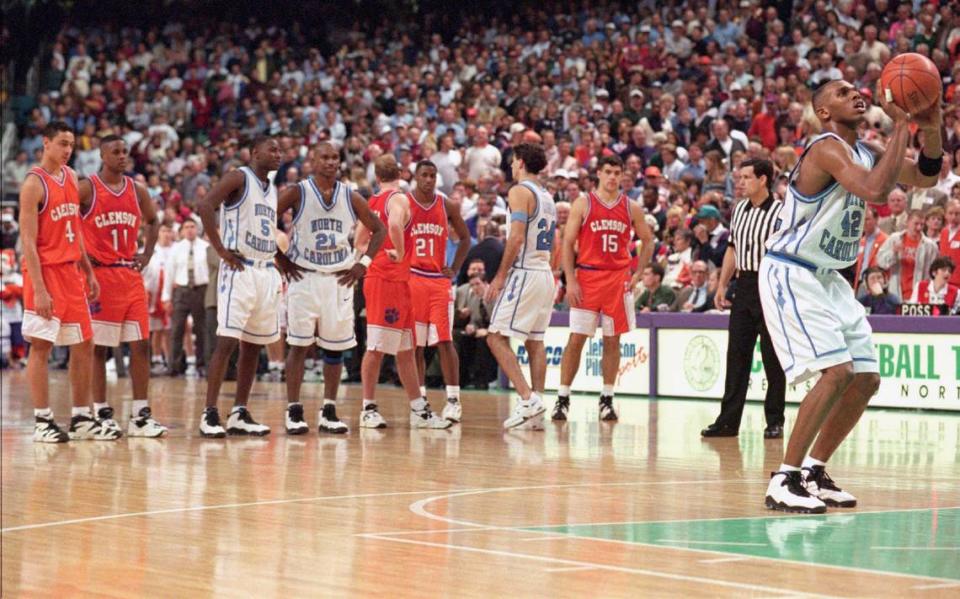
<point x="348" y="278"/>
<point x="43" y="304"/>
<point x="897" y="114"/>
<point x="931" y="118"/>
<point x="93" y="288"/>
<point x="232" y="259"/>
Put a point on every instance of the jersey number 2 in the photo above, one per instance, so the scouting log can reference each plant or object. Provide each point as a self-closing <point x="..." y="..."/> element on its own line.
<point x="546" y="235"/>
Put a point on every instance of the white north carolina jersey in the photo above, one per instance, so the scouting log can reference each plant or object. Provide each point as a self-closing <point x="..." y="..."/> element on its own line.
<point x="822" y="230"/>
<point x="321" y="232"/>
<point x="540" y="231"/>
<point x="249" y="226"/>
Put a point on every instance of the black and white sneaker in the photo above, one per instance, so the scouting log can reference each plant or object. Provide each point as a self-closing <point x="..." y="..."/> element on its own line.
<point x="210" y="426"/>
<point x="295" y="423"/>
<point x="820" y="485"/>
<point x="561" y="408"/>
<point x="241" y="422"/>
<point x="425" y="418"/>
<point x="607" y="413"/>
<point x="329" y="423"/>
<point x="84" y="427"/>
<point x="105" y="416"/>
<point x="453" y="411"/>
<point x="45" y="430"/>
<point x="371" y="418"/>
<point x="143" y="425"/>
<point x="787" y="493"/>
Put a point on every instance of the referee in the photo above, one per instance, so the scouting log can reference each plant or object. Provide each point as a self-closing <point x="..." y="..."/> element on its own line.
<point x="754" y="219"/>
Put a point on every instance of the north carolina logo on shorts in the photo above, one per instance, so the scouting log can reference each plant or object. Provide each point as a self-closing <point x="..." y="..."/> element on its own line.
<point x="701" y="363"/>
<point x="391" y="315"/>
<point x="95" y="307"/>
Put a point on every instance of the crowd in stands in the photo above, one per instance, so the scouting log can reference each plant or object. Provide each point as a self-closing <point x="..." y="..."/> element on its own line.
<point x="682" y="91"/>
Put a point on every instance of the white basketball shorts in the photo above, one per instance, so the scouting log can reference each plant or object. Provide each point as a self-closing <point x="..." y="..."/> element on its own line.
<point x="248" y="304"/>
<point x="319" y="310"/>
<point x="814" y="320"/>
<point x="524" y="307"/>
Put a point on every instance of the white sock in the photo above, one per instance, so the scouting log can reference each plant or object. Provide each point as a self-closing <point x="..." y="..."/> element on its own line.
<point x="563" y="391"/>
<point x="423" y="391"/>
<point x="533" y="396"/>
<point x="138" y="404"/>
<point x="156" y="360"/>
<point x="607" y="391"/>
<point x="293" y="403"/>
<point x="453" y="391"/>
<point x="275" y="365"/>
<point x="191" y="360"/>
<point x="809" y="462"/>
<point x="329" y="402"/>
<point x="368" y="402"/>
<point x="97" y="406"/>
<point x="785" y="468"/>
<point x="418" y="404"/>
<point x="236" y="409"/>
<point x="43" y="413"/>
<point x="81" y="411"/>
<point x="308" y="364"/>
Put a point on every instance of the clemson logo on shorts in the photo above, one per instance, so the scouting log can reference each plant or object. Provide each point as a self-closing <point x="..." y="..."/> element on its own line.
<point x="95" y="307"/>
<point x="391" y="315"/>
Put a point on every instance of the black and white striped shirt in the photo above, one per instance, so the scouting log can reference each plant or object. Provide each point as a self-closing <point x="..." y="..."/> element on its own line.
<point x="749" y="229"/>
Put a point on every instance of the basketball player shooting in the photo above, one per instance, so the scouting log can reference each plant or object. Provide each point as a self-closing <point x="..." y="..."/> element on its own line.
<point x="816" y="324"/>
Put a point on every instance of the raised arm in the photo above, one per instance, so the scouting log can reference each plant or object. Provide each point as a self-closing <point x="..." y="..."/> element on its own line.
<point x="151" y="225"/>
<point x="228" y="186"/>
<point x="568" y="251"/>
<point x="911" y="173"/>
<point x="463" y="234"/>
<point x="520" y="200"/>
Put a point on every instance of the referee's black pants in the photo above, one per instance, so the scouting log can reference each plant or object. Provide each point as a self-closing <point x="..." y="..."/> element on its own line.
<point x="746" y="322"/>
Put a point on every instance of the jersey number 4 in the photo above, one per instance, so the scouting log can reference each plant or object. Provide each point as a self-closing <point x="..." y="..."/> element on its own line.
<point x="546" y="235"/>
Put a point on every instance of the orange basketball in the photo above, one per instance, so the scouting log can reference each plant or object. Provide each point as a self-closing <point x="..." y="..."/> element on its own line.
<point x="913" y="80"/>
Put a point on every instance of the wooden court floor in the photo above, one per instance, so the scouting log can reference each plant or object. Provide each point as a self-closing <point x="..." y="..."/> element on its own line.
<point x="642" y="507"/>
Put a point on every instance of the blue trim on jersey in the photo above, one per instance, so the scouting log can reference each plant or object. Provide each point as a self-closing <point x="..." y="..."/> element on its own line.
<point x="864" y="359"/>
<point x="809" y="223"/>
<point x="815" y="197"/>
<point x="226" y="320"/>
<point x="349" y="202"/>
<point x="246" y="332"/>
<point x="517" y="305"/>
<point x="783" y="327"/>
<point x="803" y="327"/>
<point x="300" y="208"/>
<point x="792" y="260"/>
<point x="344" y="340"/>
<point x="536" y="198"/>
<point x="246" y="189"/>
<point x="333" y="194"/>
<point x="503" y="293"/>
<point x="289" y="334"/>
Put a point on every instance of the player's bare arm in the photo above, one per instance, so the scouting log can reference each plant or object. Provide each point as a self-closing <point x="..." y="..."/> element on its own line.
<point x="463" y="234"/>
<point x="151" y="225"/>
<point x="31" y="195"/>
<point x="228" y="188"/>
<point x="568" y="251"/>
<point x="398" y="209"/>
<point x="376" y="233"/>
<point x="930" y="123"/>
<point x="522" y="202"/>
<point x="85" y="191"/>
<point x="645" y="236"/>
<point x="289" y="198"/>
<point x="93" y="288"/>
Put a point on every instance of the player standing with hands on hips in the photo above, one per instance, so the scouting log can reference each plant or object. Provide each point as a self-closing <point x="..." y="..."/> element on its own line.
<point x="816" y="324"/>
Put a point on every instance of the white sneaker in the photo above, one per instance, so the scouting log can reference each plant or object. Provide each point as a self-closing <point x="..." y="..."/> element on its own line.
<point x="525" y="411"/>
<point x="329" y="423"/>
<point x="425" y="418"/>
<point x="534" y="424"/>
<point x="143" y="425"/>
<point x="820" y="485"/>
<point x="83" y="427"/>
<point x="453" y="411"/>
<point x="105" y="416"/>
<point x="371" y="418"/>
<point x="240" y="422"/>
<point x="607" y="413"/>
<point x="191" y="372"/>
<point x="46" y="431"/>
<point x="210" y="426"/>
<point x="787" y="494"/>
<point x="295" y="423"/>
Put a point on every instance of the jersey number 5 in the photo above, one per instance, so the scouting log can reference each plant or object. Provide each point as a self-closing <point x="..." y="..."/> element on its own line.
<point x="546" y="235"/>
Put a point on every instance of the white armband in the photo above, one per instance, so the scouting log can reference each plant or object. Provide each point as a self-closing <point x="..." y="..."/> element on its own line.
<point x="365" y="261"/>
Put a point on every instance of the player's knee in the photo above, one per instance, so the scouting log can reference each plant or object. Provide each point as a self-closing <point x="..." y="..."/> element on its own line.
<point x="841" y="375"/>
<point x="868" y="383"/>
<point x="333" y="358"/>
<point x="100" y="352"/>
<point x="40" y="347"/>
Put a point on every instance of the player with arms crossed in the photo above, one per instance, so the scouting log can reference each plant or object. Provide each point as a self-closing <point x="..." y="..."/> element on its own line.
<point x="596" y="260"/>
<point x="431" y="291"/>
<point x="815" y="323"/>
<point x="54" y="298"/>
<point x="320" y="305"/>
<point x="524" y="287"/>
<point x="248" y="285"/>
<point x="386" y="289"/>
<point x="113" y="207"/>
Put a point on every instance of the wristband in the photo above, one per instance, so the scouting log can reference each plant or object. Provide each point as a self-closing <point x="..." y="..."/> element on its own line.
<point x="929" y="167"/>
<point x="365" y="261"/>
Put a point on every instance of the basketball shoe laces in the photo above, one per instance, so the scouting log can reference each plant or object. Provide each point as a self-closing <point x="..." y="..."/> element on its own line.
<point x="296" y="413"/>
<point x="823" y="480"/>
<point x="794" y="484"/>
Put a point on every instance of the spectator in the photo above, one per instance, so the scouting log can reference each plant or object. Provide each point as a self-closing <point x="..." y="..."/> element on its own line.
<point x="11" y="311"/>
<point x="937" y="290"/>
<point x="472" y="317"/>
<point x="184" y="289"/>
<point x="677" y="264"/>
<point x="897" y="220"/>
<point x="489" y="250"/>
<point x="711" y="235"/>
<point x="874" y="296"/>
<point x="448" y="160"/>
<point x="950" y="238"/>
<point x="871" y="241"/>
<point x="907" y="255"/>
<point x="14" y="172"/>
<point x="655" y="296"/>
<point x="9" y="230"/>
<point x="482" y="158"/>
<point x="696" y="296"/>
<point x="933" y="223"/>
<point x="723" y="142"/>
